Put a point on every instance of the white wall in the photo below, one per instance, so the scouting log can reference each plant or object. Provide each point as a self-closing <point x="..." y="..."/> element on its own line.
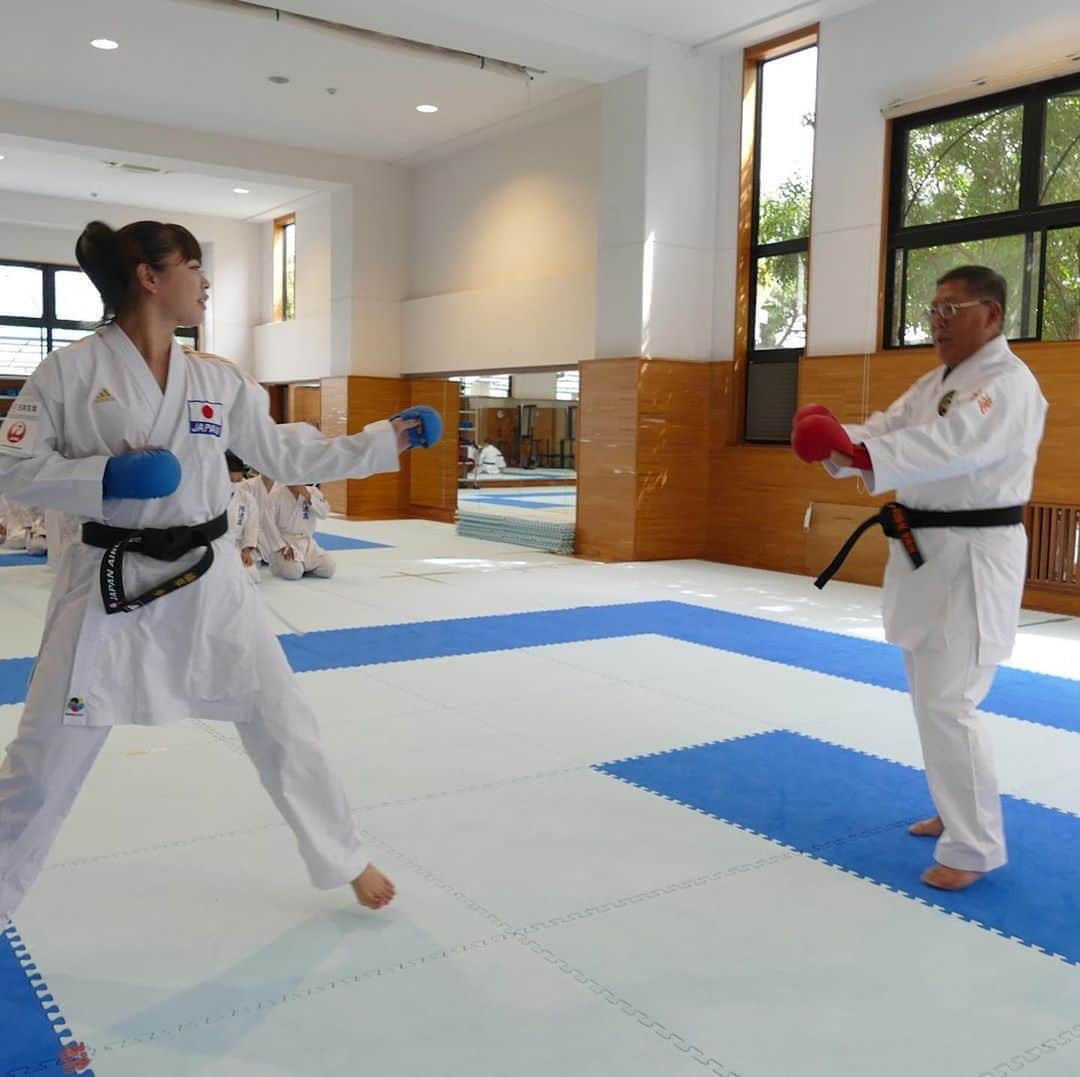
<point x="502" y="250"/>
<point x="37" y="228"/>
<point x="868" y="58"/>
<point x="299" y="348"/>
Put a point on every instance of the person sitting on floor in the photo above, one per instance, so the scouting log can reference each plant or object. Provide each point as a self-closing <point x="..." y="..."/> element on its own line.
<point x="490" y="461"/>
<point x="295" y="510"/>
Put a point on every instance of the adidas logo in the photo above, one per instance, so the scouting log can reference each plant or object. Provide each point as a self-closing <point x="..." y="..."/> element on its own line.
<point x="104" y="397"/>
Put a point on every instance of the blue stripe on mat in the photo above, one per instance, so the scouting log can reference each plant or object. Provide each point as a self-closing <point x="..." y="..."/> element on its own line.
<point x="9" y="560"/>
<point x="341" y="542"/>
<point x="1033" y="697"/>
<point x="850" y="810"/>
<point x="34" y="1031"/>
<point x="513" y="502"/>
<point x="549" y="491"/>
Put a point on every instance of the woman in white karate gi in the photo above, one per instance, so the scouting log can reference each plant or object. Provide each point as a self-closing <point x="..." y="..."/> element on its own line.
<point x="295" y="510"/>
<point x="142" y="640"/>
<point x="959" y="447"/>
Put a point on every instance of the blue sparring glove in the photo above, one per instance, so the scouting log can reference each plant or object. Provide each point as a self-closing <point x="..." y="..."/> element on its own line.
<point x="141" y="475"/>
<point x="430" y="429"/>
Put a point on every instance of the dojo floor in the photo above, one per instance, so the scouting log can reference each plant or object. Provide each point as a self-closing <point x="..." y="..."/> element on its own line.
<point x="746" y="905"/>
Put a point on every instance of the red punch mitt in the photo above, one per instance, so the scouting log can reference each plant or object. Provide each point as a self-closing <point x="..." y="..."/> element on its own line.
<point x="816" y="436"/>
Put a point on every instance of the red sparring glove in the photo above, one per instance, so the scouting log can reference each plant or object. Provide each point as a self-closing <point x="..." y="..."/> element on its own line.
<point x="816" y="436"/>
<point x="806" y="411"/>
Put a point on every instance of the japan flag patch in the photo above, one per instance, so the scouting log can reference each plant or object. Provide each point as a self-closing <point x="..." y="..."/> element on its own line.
<point x="204" y="417"/>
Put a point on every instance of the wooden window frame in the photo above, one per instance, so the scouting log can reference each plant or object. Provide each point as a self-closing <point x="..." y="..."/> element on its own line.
<point x="281" y="267"/>
<point x="753" y="59"/>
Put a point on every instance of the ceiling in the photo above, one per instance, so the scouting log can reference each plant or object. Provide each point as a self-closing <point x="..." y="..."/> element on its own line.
<point x="64" y="175"/>
<point x="200" y="65"/>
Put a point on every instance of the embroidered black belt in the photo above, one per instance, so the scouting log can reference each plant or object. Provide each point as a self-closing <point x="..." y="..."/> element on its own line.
<point x="899" y="522"/>
<point x="160" y="543"/>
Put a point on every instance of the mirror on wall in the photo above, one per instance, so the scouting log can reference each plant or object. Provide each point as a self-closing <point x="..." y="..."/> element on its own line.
<point x="518" y="429"/>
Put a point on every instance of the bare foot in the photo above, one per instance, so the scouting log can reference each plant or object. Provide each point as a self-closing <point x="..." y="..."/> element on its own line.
<point x="928" y="828"/>
<point x="372" y="888"/>
<point x="944" y="878"/>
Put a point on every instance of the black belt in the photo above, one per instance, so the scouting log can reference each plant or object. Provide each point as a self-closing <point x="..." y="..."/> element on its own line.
<point x="898" y="522"/>
<point x="160" y="543"/>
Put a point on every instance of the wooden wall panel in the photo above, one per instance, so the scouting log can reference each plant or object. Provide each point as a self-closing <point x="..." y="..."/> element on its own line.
<point x="607" y="459"/>
<point x="836" y="382"/>
<point x="380" y="497"/>
<point x="334" y="409"/>
<point x="672" y="460"/>
<point x="1057" y="366"/>
<point x="830" y="526"/>
<point x="433" y="473"/>
<point x="305" y="405"/>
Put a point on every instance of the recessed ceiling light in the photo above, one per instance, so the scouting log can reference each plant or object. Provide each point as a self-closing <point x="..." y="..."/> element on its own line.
<point x="104" y="43"/>
<point x="1" y="156"/>
<point x="427" y="108"/>
<point x="240" y="190"/>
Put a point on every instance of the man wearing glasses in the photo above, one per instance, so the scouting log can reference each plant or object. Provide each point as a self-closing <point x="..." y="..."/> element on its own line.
<point x="959" y="447"/>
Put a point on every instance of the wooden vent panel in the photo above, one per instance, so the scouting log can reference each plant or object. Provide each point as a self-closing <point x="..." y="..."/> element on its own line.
<point x="1054" y="534"/>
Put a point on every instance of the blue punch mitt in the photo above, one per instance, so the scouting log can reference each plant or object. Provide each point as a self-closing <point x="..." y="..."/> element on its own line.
<point x="430" y="428"/>
<point x="141" y="475"/>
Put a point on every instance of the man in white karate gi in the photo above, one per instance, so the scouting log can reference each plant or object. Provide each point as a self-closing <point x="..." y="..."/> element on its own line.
<point x="959" y="448"/>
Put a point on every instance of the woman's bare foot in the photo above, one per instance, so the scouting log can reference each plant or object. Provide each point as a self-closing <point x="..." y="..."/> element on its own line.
<point x="372" y="888"/>
<point x="928" y="828"/>
<point x="944" y="878"/>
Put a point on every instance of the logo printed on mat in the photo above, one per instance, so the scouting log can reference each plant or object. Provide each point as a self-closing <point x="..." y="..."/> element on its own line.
<point x="75" y="1058"/>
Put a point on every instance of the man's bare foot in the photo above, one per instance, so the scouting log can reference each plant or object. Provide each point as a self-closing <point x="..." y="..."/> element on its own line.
<point x="372" y="888"/>
<point x="944" y="878"/>
<point x="928" y="828"/>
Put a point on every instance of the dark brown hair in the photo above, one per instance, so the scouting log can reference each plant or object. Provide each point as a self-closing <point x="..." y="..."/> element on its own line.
<point x="982" y="283"/>
<point x="110" y="258"/>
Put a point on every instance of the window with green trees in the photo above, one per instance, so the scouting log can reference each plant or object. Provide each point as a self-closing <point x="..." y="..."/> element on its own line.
<point x="780" y="240"/>
<point x="994" y="182"/>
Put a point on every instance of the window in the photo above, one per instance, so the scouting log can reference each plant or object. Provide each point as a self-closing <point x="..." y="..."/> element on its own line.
<point x="782" y="87"/>
<point x="567" y="385"/>
<point x="285" y="268"/>
<point x="44" y="307"/>
<point x="994" y="182"/>
<point x="494" y="385"/>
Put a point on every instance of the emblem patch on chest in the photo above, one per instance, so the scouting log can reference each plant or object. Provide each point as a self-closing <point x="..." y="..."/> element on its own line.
<point x="104" y="397"/>
<point x="204" y="417"/>
<point x="945" y="402"/>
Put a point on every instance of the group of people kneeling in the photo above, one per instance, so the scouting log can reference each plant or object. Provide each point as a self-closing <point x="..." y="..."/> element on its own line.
<point x="274" y="524"/>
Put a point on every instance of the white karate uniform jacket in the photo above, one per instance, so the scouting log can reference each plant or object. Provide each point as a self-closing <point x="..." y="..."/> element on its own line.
<point x="243" y="517"/>
<point x="295" y="520"/>
<point x="490" y="461"/>
<point x="191" y="651"/>
<point x="966" y="441"/>
<point x="269" y="539"/>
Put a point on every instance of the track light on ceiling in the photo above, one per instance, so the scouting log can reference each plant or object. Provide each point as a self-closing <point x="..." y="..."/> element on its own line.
<point x="369" y="37"/>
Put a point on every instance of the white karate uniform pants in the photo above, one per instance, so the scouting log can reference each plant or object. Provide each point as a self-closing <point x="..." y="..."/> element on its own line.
<point x="317" y="563"/>
<point x="947" y="686"/>
<point x="47" y="763"/>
